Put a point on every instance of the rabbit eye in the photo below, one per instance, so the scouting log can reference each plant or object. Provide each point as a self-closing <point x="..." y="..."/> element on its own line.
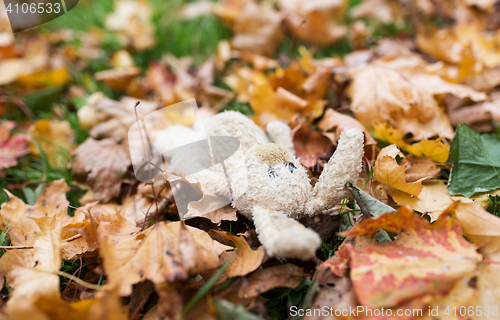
<point x="291" y="167"/>
<point x="271" y="173"/>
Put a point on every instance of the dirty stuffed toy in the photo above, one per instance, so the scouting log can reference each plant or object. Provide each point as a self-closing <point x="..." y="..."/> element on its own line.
<point x="267" y="184"/>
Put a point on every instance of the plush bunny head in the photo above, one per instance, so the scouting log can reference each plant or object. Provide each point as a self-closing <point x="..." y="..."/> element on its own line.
<point x="276" y="181"/>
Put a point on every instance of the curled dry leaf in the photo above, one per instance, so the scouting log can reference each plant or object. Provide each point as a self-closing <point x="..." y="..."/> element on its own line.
<point x="245" y="259"/>
<point x="164" y="252"/>
<point x="312" y="21"/>
<point x="388" y="171"/>
<point x="419" y="266"/>
<point x="55" y="138"/>
<point x="285" y="275"/>
<point x="106" y="162"/>
<point x="421" y="168"/>
<point x="11" y="146"/>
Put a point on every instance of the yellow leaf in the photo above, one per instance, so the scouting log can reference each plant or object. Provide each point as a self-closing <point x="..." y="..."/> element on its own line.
<point x="43" y="79"/>
<point x="55" y="139"/>
<point x="436" y="150"/>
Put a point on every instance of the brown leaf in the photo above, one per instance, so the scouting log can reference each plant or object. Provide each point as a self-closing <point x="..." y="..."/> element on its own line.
<point x="285" y="275"/>
<point x="164" y="252"/>
<point x="335" y="292"/>
<point x="117" y="230"/>
<point x="420" y="168"/>
<point x="311" y="146"/>
<point x="106" y="162"/>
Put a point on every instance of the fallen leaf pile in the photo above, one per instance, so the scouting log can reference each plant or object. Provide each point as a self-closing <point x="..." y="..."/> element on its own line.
<point x="82" y="238"/>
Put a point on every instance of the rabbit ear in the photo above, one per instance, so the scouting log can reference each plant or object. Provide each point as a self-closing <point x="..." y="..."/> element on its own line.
<point x="343" y="167"/>
<point x="283" y="236"/>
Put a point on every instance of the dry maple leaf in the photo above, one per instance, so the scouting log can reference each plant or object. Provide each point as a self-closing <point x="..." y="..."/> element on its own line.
<point x="94" y="232"/>
<point x="51" y="203"/>
<point x="11" y="146"/>
<point x="401" y="91"/>
<point x="312" y="21"/>
<point x="423" y="263"/>
<point x="164" y="252"/>
<point x="106" y="162"/>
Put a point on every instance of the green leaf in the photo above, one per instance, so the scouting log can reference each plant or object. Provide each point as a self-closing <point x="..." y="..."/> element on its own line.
<point x="475" y="160"/>
<point x="370" y="206"/>
<point x="229" y="311"/>
<point x="367" y="203"/>
<point x="29" y="195"/>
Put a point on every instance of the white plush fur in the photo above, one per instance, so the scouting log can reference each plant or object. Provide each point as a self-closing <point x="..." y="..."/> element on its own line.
<point x="263" y="186"/>
<point x="281" y="134"/>
<point x="284" y="237"/>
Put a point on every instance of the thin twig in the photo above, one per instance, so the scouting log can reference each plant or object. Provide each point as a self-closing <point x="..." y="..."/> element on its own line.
<point x="155" y="200"/>
<point x="78" y="236"/>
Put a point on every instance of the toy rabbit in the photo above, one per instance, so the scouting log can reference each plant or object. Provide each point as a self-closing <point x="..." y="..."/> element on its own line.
<point x="267" y="184"/>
